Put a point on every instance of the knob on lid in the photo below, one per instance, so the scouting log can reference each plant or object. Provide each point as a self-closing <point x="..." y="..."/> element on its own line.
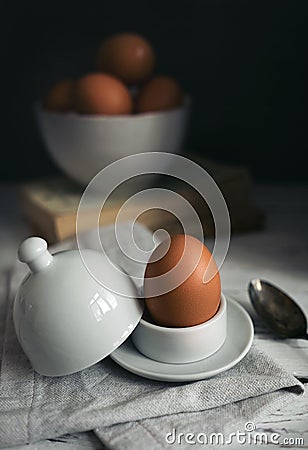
<point x="33" y="251"/>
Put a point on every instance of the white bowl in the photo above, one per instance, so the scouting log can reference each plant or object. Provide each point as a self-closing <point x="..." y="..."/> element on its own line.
<point x="182" y="345"/>
<point x="83" y="145"/>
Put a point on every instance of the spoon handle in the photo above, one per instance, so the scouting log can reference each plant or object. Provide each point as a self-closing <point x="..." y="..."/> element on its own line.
<point x="301" y="379"/>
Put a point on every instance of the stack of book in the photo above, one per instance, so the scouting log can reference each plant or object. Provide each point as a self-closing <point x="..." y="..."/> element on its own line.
<point x="50" y="205"/>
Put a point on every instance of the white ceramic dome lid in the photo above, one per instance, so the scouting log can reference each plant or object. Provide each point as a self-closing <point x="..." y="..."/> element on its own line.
<point x="64" y="319"/>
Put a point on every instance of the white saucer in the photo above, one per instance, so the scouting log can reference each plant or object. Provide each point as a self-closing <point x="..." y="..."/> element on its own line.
<point x="238" y="342"/>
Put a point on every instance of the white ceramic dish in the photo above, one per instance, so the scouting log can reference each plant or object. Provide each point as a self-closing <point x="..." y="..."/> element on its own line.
<point x="182" y="345"/>
<point x="83" y="145"/>
<point x="238" y="342"/>
<point x="64" y="319"/>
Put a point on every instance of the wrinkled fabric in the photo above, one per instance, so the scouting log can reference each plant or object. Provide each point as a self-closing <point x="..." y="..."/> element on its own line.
<point x="125" y="410"/>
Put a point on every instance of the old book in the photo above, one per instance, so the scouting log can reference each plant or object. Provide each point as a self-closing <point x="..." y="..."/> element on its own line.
<point x="51" y="205"/>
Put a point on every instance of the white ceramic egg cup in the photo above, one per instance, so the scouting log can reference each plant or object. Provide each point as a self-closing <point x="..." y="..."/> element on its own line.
<point x="182" y="344"/>
<point x="237" y="344"/>
<point x="66" y="321"/>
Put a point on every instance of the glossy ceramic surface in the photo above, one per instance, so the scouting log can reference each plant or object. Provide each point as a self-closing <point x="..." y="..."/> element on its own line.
<point x="237" y="344"/>
<point x="182" y="345"/>
<point x="83" y="145"/>
<point x="64" y="319"/>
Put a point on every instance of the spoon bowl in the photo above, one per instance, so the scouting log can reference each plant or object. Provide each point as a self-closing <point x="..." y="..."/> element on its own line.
<point x="277" y="310"/>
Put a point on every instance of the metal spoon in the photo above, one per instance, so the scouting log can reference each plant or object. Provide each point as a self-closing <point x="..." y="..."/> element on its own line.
<point x="278" y="311"/>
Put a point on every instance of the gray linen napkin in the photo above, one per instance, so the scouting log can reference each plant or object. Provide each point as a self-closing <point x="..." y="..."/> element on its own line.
<point x="124" y="410"/>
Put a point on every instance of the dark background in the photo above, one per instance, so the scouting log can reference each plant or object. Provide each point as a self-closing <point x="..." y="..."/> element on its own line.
<point x="243" y="62"/>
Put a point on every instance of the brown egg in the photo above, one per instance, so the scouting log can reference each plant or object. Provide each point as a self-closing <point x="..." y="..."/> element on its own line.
<point x="159" y="94"/>
<point x="99" y="93"/>
<point x="187" y="300"/>
<point x="59" y="97"/>
<point x="128" y="56"/>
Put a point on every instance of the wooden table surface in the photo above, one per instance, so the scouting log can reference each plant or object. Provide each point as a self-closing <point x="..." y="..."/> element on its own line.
<point x="279" y="254"/>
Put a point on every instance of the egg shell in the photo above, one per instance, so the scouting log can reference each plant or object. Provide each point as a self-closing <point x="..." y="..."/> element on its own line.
<point x="99" y="93"/>
<point x="128" y="56"/>
<point x="192" y="302"/>
<point x="60" y="96"/>
<point x="159" y="94"/>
